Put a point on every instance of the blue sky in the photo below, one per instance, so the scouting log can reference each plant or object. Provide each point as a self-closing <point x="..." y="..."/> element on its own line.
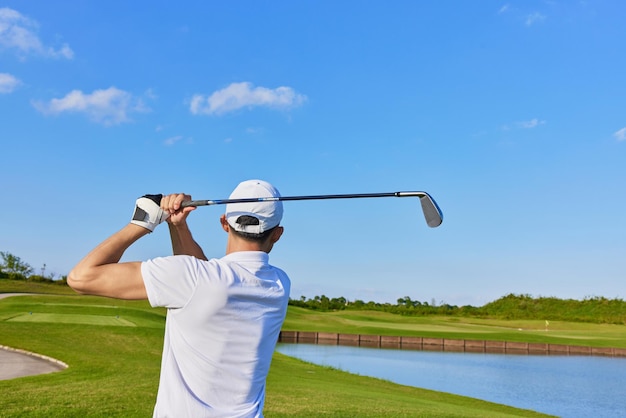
<point x="511" y="114"/>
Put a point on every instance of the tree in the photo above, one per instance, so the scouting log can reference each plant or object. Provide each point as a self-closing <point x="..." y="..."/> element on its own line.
<point x="325" y="302"/>
<point x="13" y="265"/>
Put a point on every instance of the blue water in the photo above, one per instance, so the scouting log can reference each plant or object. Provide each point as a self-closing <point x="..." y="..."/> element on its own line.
<point x="566" y="386"/>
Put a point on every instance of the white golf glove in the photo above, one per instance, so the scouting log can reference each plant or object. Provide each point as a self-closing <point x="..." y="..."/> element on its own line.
<point x="148" y="212"/>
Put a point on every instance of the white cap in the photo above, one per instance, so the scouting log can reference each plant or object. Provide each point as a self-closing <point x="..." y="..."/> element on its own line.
<point x="269" y="213"/>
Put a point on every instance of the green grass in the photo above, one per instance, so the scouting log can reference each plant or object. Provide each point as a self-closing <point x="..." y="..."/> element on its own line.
<point x="114" y="368"/>
<point x="298" y="389"/>
<point x="23" y="286"/>
<point x="72" y="319"/>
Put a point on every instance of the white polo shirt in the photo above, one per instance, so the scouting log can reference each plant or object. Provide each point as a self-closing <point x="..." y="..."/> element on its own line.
<point x="223" y="320"/>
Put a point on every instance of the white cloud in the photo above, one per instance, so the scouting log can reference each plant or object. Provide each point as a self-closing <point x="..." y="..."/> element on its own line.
<point x="172" y="140"/>
<point x="8" y="83"/>
<point x="108" y="107"/>
<point x="621" y="134"/>
<point x="529" y="124"/>
<point x="254" y="131"/>
<point x="151" y="94"/>
<point x="20" y="33"/>
<point x="533" y="18"/>
<point x="244" y="94"/>
<point x="526" y="17"/>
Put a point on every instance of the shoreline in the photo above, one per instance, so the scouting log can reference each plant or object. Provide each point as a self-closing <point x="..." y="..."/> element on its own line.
<point x="444" y="344"/>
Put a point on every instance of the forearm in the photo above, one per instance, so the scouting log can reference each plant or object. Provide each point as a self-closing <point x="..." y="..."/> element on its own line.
<point x="111" y="250"/>
<point x="183" y="242"/>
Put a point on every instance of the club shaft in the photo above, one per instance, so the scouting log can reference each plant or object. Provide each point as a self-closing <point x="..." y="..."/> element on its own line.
<point x="310" y="197"/>
<point x="431" y="210"/>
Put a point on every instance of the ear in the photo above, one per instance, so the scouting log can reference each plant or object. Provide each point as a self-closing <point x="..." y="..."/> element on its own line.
<point x="224" y="222"/>
<point x="277" y="233"/>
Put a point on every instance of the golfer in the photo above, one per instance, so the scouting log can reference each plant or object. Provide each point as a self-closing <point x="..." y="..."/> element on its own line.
<point x="223" y="315"/>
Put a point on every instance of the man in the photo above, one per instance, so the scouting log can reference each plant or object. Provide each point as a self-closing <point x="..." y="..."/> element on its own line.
<point x="224" y="315"/>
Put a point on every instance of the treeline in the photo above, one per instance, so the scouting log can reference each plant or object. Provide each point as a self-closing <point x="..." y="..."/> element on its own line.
<point x="404" y="306"/>
<point x="14" y="268"/>
<point x="511" y="306"/>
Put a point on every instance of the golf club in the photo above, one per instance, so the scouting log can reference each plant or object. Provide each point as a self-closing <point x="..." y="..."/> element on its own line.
<point x="432" y="213"/>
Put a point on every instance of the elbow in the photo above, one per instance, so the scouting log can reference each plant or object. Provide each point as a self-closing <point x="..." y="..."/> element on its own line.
<point x="76" y="281"/>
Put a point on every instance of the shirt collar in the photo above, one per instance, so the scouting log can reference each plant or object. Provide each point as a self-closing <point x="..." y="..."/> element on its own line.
<point x="248" y="256"/>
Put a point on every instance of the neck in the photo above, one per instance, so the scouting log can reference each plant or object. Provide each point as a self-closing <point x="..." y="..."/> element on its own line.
<point x="236" y="244"/>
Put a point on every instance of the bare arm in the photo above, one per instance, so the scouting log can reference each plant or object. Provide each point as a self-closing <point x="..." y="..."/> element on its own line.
<point x="100" y="272"/>
<point x="182" y="240"/>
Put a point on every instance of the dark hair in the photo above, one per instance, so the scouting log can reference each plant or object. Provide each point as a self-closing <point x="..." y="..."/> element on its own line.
<point x="245" y="220"/>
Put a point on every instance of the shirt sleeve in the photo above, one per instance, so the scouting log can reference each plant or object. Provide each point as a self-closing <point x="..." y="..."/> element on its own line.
<point x="170" y="281"/>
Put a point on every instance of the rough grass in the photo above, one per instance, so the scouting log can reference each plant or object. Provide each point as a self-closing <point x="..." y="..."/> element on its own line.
<point x="23" y="286"/>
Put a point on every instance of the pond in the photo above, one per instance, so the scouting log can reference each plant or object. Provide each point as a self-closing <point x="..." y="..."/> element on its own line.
<point x="566" y="386"/>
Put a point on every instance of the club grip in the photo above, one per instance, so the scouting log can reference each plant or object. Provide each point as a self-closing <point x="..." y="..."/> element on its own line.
<point x="194" y="203"/>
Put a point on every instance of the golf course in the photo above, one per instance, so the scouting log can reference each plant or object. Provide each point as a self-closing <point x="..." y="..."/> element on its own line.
<point x="113" y="350"/>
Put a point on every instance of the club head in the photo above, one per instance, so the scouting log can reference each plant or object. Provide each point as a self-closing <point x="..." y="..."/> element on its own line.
<point x="432" y="213"/>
